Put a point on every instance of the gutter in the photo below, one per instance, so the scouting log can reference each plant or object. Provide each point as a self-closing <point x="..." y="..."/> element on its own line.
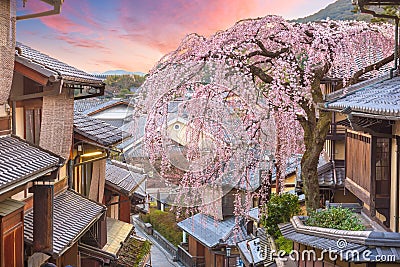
<point x="361" y="114"/>
<point x="56" y="10"/>
<point x="27" y="180"/>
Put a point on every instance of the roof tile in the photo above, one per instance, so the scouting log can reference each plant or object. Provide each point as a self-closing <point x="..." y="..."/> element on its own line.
<point x="97" y="130"/>
<point x="381" y="98"/>
<point x="21" y="160"/>
<point x="72" y="214"/>
<point x="67" y="72"/>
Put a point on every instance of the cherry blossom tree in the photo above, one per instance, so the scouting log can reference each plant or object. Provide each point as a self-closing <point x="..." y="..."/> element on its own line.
<point x="275" y="68"/>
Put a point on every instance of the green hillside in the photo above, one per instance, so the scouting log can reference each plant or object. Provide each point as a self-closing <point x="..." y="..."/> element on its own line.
<point x="339" y="10"/>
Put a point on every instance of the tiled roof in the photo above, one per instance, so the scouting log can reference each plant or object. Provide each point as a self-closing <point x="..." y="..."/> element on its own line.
<point x="114" y="122"/>
<point x="97" y="130"/>
<point x="72" y="216"/>
<point x="379" y="244"/>
<point x="123" y="177"/>
<point x="20" y="161"/>
<point x="66" y="71"/>
<point x="210" y="232"/>
<point x="328" y="175"/>
<point x="82" y="105"/>
<point x="88" y="107"/>
<point x="367" y="57"/>
<point x="381" y="98"/>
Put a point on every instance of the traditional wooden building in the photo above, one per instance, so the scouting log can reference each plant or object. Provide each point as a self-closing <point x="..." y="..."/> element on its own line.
<point x="372" y="147"/>
<point x="369" y="116"/>
<point x="125" y="189"/>
<point x="23" y="166"/>
<point x="93" y="141"/>
<point x="41" y="108"/>
<point x="112" y="183"/>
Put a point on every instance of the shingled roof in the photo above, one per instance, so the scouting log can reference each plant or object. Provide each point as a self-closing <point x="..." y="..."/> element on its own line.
<point x="22" y="162"/>
<point x="48" y="65"/>
<point x="122" y="178"/>
<point x="82" y="105"/>
<point x="94" y="105"/>
<point x="379" y="99"/>
<point x="72" y="217"/>
<point x="97" y="130"/>
<point x="211" y="232"/>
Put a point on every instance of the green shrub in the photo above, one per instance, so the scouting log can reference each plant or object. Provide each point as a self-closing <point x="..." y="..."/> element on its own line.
<point x="164" y="222"/>
<point x="284" y="244"/>
<point x="144" y="250"/>
<point x="336" y="218"/>
<point x="280" y="208"/>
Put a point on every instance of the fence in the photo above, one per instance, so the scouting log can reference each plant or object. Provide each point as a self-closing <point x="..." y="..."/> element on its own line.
<point x="168" y="246"/>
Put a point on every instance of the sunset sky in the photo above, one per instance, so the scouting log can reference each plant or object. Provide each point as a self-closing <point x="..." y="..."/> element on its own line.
<point x="100" y="35"/>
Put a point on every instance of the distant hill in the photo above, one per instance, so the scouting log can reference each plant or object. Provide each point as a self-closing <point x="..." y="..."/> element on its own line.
<point x="339" y="10"/>
<point x="122" y="72"/>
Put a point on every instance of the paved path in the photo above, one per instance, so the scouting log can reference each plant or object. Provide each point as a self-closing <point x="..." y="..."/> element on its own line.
<point x="159" y="256"/>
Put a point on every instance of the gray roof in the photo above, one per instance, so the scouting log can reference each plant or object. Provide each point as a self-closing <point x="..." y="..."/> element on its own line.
<point x="90" y="106"/>
<point x="254" y="214"/>
<point x="123" y="177"/>
<point x="114" y="122"/>
<point x="45" y="62"/>
<point x="367" y="57"/>
<point x="73" y="215"/>
<point x="82" y="105"/>
<point x="97" y="130"/>
<point x="378" y="99"/>
<point x="329" y="175"/>
<point x="378" y="243"/>
<point x="211" y="232"/>
<point x="20" y="161"/>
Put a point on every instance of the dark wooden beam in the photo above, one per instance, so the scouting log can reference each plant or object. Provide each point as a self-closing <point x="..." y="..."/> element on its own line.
<point x="31" y="74"/>
<point x="357" y="190"/>
<point x="373" y="177"/>
<point x="43" y="218"/>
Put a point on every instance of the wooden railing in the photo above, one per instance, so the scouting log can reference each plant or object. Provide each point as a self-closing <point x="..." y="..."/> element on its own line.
<point x="336" y="131"/>
<point x="188" y="260"/>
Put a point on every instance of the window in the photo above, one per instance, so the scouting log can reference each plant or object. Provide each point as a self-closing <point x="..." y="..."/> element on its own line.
<point x="383" y="165"/>
<point x="83" y="178"/>
<point x="33" y="120"/>
<point x="383" y="175"/>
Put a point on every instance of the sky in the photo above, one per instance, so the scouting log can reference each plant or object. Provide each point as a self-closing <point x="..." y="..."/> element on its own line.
<point x="101" y="35"/>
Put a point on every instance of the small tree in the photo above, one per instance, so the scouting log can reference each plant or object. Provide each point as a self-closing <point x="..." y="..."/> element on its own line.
<point x="280" y="209"/>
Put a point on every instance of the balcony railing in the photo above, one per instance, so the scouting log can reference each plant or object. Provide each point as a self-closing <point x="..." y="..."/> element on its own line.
<point x="188" y="260"/>
<point x="336" y="132"/>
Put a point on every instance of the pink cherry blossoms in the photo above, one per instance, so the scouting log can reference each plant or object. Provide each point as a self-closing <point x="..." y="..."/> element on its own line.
<point x="245" y="93"/>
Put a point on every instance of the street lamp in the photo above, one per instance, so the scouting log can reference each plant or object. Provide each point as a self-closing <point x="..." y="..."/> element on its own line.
<point x="228" y="254"/>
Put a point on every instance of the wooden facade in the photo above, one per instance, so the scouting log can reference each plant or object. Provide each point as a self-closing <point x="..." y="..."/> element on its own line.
<point x="11" y="233"/>
<point x="368" y="172"/>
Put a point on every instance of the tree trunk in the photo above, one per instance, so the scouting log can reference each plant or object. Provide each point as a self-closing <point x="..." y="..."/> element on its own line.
<point x="314" y="139"/>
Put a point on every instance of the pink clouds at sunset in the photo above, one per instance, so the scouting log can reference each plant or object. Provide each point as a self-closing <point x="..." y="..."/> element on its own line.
<point x="133" y="34"/>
